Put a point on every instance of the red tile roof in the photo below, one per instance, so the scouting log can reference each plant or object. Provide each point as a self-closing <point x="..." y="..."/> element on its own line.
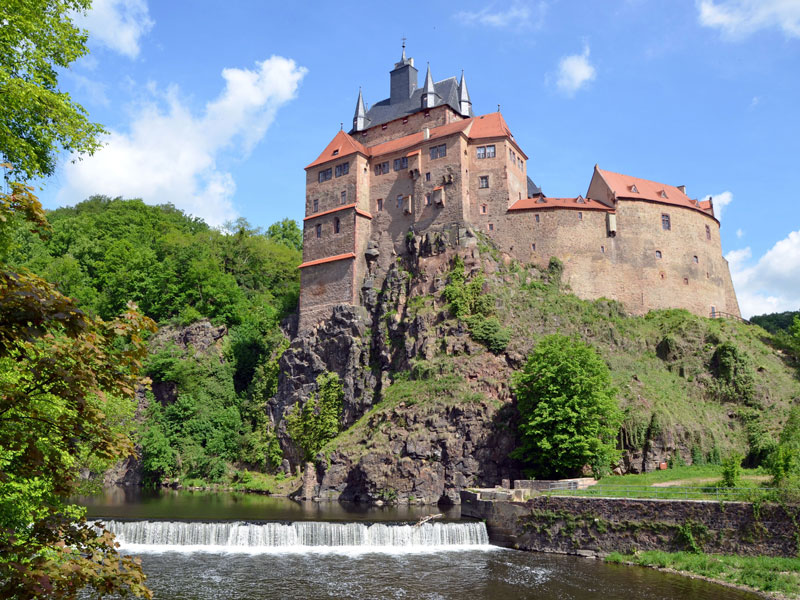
<point x="542" y="202"/>
<point x="343" y="145"/>
<point x="635" y="188"/>
<point x="328" y="259"/>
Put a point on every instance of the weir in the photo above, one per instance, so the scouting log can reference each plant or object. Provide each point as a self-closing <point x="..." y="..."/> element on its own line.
<point x="302" y="536"/>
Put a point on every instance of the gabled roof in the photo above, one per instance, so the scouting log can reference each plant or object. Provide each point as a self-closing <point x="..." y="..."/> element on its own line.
<point x="635" y="188"/>
<point x="417" y="138"/>
<point x="341" y="145"/>
<point x="492" y="125"/>
<point x="384" y="111"/>
<point x="542" y="202"/>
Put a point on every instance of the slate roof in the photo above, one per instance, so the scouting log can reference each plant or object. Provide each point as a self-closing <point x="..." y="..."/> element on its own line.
<point x="383" y="111"/>
<point x="533" y="189"/>
<point x="542" y="202"/>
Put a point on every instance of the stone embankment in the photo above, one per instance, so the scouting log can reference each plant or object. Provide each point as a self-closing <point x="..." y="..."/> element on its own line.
<point x="590" y="526"/>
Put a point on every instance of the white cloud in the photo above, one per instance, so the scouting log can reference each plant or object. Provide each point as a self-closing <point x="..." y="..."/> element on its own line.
<point x="773" y="283"/>
<point x="169" y="154"/>
<point x="740" y="18"/>
<point x="117" y="24"/>
<point x="519" y="15"/>
<point x="574" y="72"/>
<point x="720" y="202"/>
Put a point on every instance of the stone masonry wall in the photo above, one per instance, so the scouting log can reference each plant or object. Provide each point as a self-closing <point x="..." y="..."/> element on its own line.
<point x="322" y="287"/>
<point x="576" y="525"/>
<point x="437" y="116"/>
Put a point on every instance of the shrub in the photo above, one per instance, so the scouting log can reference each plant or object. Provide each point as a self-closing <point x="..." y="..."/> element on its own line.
<point x="569" y="415"/>
<point x="318" y="421"/>
<point x="732" y="471"/>
<point x="489" y="332"/>
<point x="734" y="373"/>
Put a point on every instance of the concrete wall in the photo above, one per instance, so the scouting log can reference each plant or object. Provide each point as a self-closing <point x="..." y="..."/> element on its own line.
<point x="577" y="525"/>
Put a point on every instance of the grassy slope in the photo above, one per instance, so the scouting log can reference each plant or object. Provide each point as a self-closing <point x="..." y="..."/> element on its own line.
<point x="767" y="574"/>
<point x="675" y="395"/>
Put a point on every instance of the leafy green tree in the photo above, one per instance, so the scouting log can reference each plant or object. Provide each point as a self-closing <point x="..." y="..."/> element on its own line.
<point x="569" y="415"/>
<point x="39" y="38"/>
<point x="287" y="233"/>
<point x="784" y="462"/>
<point x="318" y="421"/>
<point x="62" y="373"/>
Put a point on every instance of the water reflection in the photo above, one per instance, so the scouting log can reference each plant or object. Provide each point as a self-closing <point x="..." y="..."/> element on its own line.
<point x="138" y="503"/>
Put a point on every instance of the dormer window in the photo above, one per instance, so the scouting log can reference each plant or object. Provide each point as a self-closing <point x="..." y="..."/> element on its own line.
<point x="336" y="152"/>
<point x="634" y="189"/>
<point x="580" y="200"/>
<point x="663" y="194"/>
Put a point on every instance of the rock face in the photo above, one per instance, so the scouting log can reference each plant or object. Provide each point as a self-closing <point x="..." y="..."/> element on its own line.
<point x="424" y="455"/>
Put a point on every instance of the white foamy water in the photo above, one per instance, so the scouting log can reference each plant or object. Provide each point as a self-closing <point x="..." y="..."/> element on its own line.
<point x="298" y="537"/>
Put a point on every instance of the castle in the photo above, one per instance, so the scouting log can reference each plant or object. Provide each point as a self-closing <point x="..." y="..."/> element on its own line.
<point x="421" y="161"/>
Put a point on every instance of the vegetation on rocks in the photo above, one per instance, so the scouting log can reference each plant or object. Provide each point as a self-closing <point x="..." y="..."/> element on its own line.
<point x="319" y="419"/>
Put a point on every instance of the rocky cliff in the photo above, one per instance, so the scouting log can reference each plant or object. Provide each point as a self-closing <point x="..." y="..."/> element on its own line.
<point x="428" y="410"/>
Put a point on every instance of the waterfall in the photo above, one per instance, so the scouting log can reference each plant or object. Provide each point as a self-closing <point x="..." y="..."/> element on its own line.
<point x="301" y="536"/>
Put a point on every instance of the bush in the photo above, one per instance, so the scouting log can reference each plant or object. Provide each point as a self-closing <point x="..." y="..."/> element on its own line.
<point x="318" y="421"/>
<point x="489" y="332"/>
<point x="732" y="471"/>
<point x="569" y="415"/>
<point x="734" y="373"/>
<point x="784" y="461"/>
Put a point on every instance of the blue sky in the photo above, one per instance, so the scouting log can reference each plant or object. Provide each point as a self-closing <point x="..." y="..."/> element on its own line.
<point x="217" y="107"/>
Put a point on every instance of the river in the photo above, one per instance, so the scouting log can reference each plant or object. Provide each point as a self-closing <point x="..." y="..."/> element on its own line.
<point x="198" y="546"/>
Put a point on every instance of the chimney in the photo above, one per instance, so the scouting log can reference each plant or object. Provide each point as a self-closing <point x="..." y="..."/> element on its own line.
<point x="426" y="134"/>
<point x="682" y="188"/>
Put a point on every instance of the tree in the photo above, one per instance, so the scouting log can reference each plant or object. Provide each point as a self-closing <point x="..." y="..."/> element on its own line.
<point x="287" y="233"/>
<point x="784" y="461"/>
<point x="318" y="421"/>
<point x="37" y="38"/>
<point x="569" y="416"/>
<point x="59" y="369"/>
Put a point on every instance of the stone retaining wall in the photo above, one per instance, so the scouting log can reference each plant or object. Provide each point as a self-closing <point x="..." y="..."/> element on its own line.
<point x="587" y="526"/>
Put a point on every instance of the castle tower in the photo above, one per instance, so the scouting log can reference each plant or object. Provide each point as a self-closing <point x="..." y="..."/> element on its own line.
<point x="464" y="103"/>
<point x="402" y="79"/>
<point x="429" y="95"/>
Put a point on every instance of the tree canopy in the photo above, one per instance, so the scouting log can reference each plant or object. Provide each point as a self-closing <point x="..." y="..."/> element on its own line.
<point x="37" y="39"/>
<point x="62" y="372"/>
<point x="569" y="415"/>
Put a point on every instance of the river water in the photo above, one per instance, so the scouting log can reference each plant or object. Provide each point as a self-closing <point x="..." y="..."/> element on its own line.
<point x="198" y="546"/>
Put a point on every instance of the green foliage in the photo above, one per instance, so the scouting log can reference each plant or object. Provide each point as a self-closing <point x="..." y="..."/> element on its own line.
<point x="39" y="41"/>
<point x="732" y="471"/>
<point x="66" y="391"/>
<point x="555" y="268"/>
<point x="776" y="322"/>
<point x="784" y="462"/>
<point x="569" y="416"/>
<point x="319" y="420"/>
<point x="735" y="375"/>
<point x="467" y="300"/>
<point x="286" y="232"/>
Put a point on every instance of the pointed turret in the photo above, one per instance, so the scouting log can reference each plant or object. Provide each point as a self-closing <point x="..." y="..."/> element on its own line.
<point x="429" y="94"/>
<point x="360" y="118"/>
<point x="464" y="103"/>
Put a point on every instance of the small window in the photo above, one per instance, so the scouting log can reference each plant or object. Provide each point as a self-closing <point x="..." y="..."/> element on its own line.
<point x="380" y="204"/>
<point x="537" y="217"/>
<point x="427" y="176"/>
<point x="634" y="189"/>
<point x="343" y="199"/>
<point x="316" y="205"/>
<point x="663" y="275"/>
<point x="383" y="127"/>
<point x="491" y="226"/>
<point x="708" y="232"/>
<point x="665" y="224"/>
<point x="439" y="151"/>
<point x="603" y="249"/>
<point x="483" y="181"/>
<point x="521" y="163"/>
<point x="336" y="225"/>
<point x="325" y="174"/>
<point x="695" y="260"/>
<point x="490" y="151"/>
<point x="708" y="275"/>
<point x="385" y="167"/>
<point x="483" y="209"/>
<point x="533" y="247"/>
<point x="580" y="216"/>
<point x="399" y="200"/>
<point x="713" y="311"/>
<point x="336" y="152"/>
<point x="405" y="120"/>
<point x="377" y="169"/>
<point x="685" y="281"/>
<point x="427" y="199"/>
<point x="319" y="231"/>
<point x="658" y="253"/>
<point x="481" y="152"/>
<point x="427" y="113"/>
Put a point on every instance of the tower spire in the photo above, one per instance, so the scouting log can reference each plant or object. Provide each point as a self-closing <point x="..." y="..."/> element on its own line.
<point x="360" y="118"/>
<point x="403" y="58"/>
<point x="429" y="91"/>
<point x="464" y="103"/>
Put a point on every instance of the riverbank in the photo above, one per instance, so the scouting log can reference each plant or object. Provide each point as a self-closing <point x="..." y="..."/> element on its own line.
<point x="773" y="577"/>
